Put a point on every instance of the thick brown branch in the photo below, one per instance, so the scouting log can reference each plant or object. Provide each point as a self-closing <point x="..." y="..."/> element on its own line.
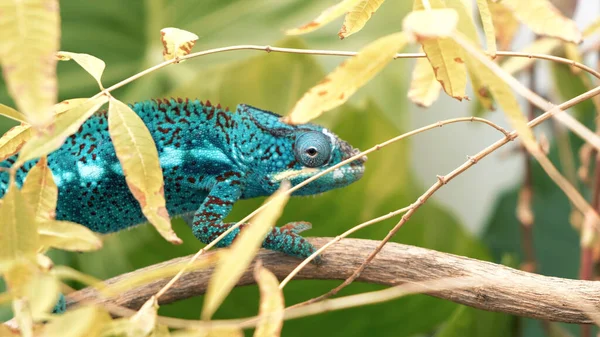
<point x="516" y="292"/>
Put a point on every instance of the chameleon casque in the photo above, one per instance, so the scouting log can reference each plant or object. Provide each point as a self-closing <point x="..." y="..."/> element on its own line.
<point x="210" y="158"/>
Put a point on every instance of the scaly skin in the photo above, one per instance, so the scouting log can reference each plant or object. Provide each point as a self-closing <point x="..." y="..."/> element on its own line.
<point x="210" y="158"/>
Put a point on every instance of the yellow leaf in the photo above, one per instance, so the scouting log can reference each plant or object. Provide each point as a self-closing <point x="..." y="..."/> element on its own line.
<point x="479" y="88"/>
<point x="42" y="293"/>
<point x="544" y="19"/>
<point x="11" y="113"/>
<point x="67" y="235"/>
<point x="93" y="65"/>
<point x="67" y="273"/>
<point x="68" y="104"/>
<point x="40" y="191"/>
<point x="65" y="125"/>
<point x="144" y="321"/>
<point x="210" y="332"/>
<point x="352" y="74"/>
<point x="137" y="153"/>
<point x="357" y="16"/>
<point x="540" y="46"/>
<point x="18" y="228"/>
<point x="242" y="251"/>
<point x="84" y="321"/>
<point x="152" y="274"/>
<point x="505" y="24"/>
<point x="425" y="24"/>
<point x="29" y="38"/>
<point x="466" y="26"/>
<point x="271" y="303"/>
<point x="177" y="42"/>
<point x="22" y="312"/>
<point x="13" y="140"/>
<point x="424" y="88"/>
<point x="325" y="17"/>
<point x="503" y="95"/>
<point x="592" y="28"/>
<point x="447" y="61"/>
<point x="488" y="26"/>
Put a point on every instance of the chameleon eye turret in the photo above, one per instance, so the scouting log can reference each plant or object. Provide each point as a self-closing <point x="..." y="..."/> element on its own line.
<point x="313" y="149"/>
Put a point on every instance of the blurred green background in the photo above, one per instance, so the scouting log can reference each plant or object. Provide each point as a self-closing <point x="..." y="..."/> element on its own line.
<point x="125" y="34"/>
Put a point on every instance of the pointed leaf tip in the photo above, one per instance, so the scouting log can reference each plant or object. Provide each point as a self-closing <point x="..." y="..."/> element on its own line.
<point x="93" y="65"/>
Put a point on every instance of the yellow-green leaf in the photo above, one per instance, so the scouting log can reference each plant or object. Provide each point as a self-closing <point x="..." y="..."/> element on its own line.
<point x="502" y="93"/>
<point x="138" y="156"/>
<point x="271" y="303"/>
<point x="18" y="228"/>
<point x="13" y="140"/>
<point x="144" y="321"/>
<point x="479" y="88"/>
<point x="544" y="19"/>
<point x="424" y="87"/>
<point x="67" y="235"/>
<point x="357" y="17"/>
<point x="93" y="65"/>
<point x="325" y="17"/>
<point x="67" y="273"/>
<point x="152" y="274"/>
<point x="434" y="23"/>
<point x="42" y="292"/>
<point x="65" y="125"/>
<point x="85" y="321"/>
<point x="447" y="61"/>
<point x="29" y="39"/>
<point x="488" y="26"/>
<point x="352" y="74"/>
<point x="11" y="113"/>
<point x="177" y="42"/>
<point x="540" y="46"/>
<point x="210" y="332"/>
<point x="466" y="26"/>
<point x="243" y="250"/>
<point x="40" y="191"/>
<point x="505" y="24"/>
<point x="592" y="28"/>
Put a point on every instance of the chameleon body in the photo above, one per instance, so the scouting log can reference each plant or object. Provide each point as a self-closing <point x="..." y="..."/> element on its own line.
<point x="210" y="158"/>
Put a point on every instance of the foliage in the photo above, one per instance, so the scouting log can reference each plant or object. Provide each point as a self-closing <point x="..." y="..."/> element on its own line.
<point x="123" y="42"/>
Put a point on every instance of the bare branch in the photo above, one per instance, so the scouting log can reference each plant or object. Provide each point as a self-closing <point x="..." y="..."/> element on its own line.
<point x="516" y="292"/>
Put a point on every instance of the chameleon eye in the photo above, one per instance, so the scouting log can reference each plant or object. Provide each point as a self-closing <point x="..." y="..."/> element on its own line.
<point x="313" y="149"/>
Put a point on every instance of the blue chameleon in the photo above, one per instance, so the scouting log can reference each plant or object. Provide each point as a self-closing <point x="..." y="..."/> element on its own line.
<point x="210" y="158"/>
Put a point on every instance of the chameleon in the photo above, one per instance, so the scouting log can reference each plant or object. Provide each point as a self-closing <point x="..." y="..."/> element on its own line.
<point x="210" y="158"/>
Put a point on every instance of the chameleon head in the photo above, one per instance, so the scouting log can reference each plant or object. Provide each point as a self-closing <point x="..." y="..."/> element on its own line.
<point x="274" y="151"/>
<point x="317" y="149"/>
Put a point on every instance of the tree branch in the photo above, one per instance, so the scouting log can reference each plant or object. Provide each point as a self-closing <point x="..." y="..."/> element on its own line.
<point x="516" y="292"/>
